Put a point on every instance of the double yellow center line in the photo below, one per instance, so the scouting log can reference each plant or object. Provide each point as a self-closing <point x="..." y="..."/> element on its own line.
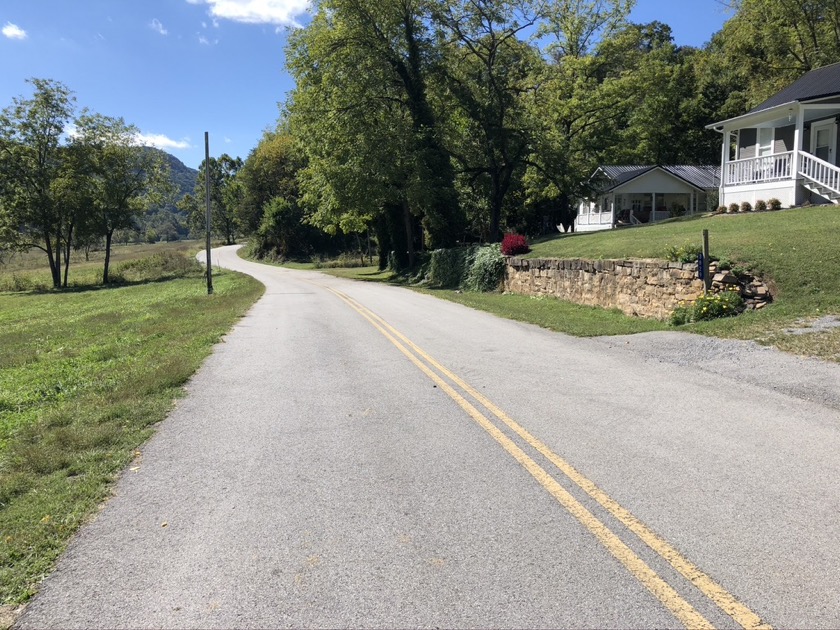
<point x="663" y="591"/>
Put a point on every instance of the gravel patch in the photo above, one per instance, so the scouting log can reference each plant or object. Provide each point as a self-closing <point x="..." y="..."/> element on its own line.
<point x="810" y="326"/>
<point x="729" y="362"/>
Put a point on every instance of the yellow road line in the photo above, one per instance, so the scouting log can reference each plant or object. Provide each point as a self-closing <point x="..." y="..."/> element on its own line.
<point x="727" y="602"/>
<point x="663" y="591"/>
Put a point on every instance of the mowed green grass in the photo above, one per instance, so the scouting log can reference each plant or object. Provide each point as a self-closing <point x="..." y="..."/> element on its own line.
<point x="85" y="374"/>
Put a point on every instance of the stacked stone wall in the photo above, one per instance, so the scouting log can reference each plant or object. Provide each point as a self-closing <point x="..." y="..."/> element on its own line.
<point x="644" y="288"/>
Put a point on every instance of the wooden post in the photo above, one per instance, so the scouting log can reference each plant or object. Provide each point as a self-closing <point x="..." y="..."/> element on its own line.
<point x="207" y="195"/>
<point x="707" y="281"/>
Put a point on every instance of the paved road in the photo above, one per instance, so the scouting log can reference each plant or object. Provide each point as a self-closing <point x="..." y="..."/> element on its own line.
<point x="362" y="455"/>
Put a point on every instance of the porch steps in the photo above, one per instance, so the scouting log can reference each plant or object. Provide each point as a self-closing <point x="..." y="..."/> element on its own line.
<point x="822" y="191"/>
<point x="820" y="177"/>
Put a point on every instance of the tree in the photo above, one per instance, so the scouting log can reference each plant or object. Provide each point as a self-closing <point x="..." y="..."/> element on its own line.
<point x="125" y="178"/>
<point x="32" y="213"/>
<point x="584" y="94"/>
<point x="768" y="44"/>
<point x="225" y="198"/>
<point x="362" y="71"/>
<point x="269" y="172"/>
<point x="487" y="68"/>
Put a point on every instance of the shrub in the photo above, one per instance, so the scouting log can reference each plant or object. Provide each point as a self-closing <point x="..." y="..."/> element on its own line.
<point x="676" y="210"/>
<point x="746" y="206"/>
<point x="448" y="267"/>
<point x="733" y="208"/>
<point x="715" y="305"/>
<point x="760" y="206"/>
<point x="709" y="306"/>
<point x="685" y="253"/>
<point x="774" y="204"/>
<point x="344" y="261"/>
<point x="514" y="244"/>
<point x="720" y="210"/>
<point x="680" y="316"/>
<point x="486" y="269"/>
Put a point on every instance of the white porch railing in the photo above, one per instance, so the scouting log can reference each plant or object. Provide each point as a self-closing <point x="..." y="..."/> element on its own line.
<point x="820" y="172"/>
<point x="595" y="218"/>
<point x="769" y="168"/>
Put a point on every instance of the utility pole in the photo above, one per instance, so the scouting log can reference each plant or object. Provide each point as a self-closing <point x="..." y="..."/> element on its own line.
<point x="207" y="200"/>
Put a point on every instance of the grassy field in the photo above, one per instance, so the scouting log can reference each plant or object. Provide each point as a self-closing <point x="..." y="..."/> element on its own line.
<point x="85" y="374"/>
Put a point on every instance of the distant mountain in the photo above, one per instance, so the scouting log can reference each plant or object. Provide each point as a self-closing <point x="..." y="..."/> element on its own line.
<point x="167" y="222"/>
<point x="182" y="175"/>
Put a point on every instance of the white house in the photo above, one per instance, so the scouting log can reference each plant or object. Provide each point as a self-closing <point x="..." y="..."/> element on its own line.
<point x="786" y="148"/>
<point x="631" y="195"/>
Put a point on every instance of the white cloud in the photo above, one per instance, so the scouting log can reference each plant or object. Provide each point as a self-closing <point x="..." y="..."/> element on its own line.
<point x="228" y="140"/>
<point x="13" y="31"/>
<point x="161" y="141"/>
<point x="157" y="140"/>
<point x="157" y="26"/>
<point x="281" y="12"/>
<point x="203" y="40"/>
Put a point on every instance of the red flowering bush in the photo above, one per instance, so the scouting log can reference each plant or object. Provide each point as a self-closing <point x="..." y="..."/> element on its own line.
<point x="514" y="244"/>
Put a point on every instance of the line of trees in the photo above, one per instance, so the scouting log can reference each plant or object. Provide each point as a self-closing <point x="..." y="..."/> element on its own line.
<point x="70" y="180"/>
<point x="435" y="122"/>
<point x="420" y="124"/>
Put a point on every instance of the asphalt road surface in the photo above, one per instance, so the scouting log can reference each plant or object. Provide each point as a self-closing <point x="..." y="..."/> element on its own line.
<point x="359" y="455"/>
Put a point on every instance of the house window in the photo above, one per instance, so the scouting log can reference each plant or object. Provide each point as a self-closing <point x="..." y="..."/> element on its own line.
<point x="637" y="205"/>
<point x="765" y="141"/>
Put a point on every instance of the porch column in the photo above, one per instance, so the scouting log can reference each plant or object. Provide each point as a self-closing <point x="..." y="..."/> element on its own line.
<point x="612" y="210"/>
<point x="652" y="208"/>
<point x="724" y="159"/>
<point x="798" y="137"/>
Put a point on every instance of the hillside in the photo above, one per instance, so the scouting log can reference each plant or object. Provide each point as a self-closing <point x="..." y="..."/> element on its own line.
<point x="182" y="175"/>
<point x="167" y="222"/>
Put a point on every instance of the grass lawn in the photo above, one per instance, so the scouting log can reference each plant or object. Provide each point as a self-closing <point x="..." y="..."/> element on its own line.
<point x="85" y="374"/>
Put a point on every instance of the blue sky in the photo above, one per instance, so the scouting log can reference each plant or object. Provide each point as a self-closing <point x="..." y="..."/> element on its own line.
<point x="178" y="68"/>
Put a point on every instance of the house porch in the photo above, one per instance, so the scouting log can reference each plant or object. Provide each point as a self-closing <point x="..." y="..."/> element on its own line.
<point x="788" y="153"/>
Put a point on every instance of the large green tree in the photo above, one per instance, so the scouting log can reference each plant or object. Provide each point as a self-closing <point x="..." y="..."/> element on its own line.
<point x="32" y="172"/>
<point x="768" y="44"/>
<point x="270" y="171"/>
<point x="125" y="179"/>
<point x="487" y="68"/>
<point x="585" y="93"/>
<point x="363" y="69"/>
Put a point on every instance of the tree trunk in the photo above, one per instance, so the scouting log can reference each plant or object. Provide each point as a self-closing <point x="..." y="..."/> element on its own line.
<point x="108" y="235"/>
<point x="409" y="234"/>
<point x="55" y="261"/>
<point x="67" y="245"/>
<point x="383" y="239"/>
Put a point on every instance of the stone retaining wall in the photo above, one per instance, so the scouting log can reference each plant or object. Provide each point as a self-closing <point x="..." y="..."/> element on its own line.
<point x="645" y="288"/>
